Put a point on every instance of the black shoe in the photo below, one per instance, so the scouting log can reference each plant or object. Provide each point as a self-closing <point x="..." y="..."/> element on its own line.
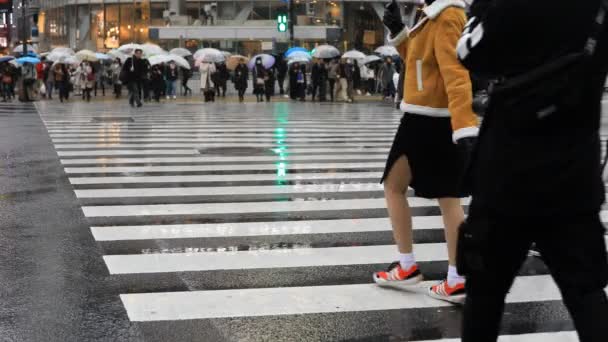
<point x="139" y="105"/>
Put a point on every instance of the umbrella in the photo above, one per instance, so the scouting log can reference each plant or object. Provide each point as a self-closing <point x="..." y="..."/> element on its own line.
<point x="14" y="63"/>
<point x="295" y="49"/>
<point x="226" y="54"/>
<point x="299" y="55"/>
<point x="372" y="59"/>
<point x="298" y="60"/>
<point x="44" y="54"/>
<point x="19" y="48"/>
<point x="267" y="61"/>
<point x="103" y="56"/>
<point x="354" y="54"/>
<point x="117" y="54"/>
<point x="234" y="60"/>
<point x="387" y="51"/>
<point x="152" y="50"/>
<point x="64" y="50"/>
<point x="28" y="59"/>
<point x="179" y="60"/>
<point x="67" y="60"/>
<point x="86" y="55"/>
<point x="325" y="51"/>
<point x="6" y="59"/>
<point x="181" y="52"/>
<point x="55" y="56"/>
<point x="209" y="55"/>
<point x="128" y="49"/>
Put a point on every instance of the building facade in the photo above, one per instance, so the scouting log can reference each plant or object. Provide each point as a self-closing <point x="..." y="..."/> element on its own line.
<point x="238" y="26"/>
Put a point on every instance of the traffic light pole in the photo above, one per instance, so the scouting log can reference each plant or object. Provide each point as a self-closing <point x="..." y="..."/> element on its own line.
<point x="23" y="28"/>
<point x="291" y="17"/>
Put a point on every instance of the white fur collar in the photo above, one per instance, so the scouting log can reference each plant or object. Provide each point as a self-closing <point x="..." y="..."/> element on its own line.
<point x="435" y="9"/>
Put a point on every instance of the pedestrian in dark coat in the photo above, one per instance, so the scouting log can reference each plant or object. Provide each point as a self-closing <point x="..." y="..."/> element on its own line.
<point x="241" y="78"/>
<point x="221" y="76"/>
<point x="281" y="71"/>
<point x="269" y="84"/>
<point x="135" y="71"/>
<point x="302" y="83"/>
<point x="293" y="80"/>
<point x="260" y="75"/>
<point x="536" y="175"/>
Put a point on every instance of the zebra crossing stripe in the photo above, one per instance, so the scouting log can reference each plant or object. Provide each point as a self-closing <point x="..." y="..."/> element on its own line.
<point x="185" y="231"/>
<point x="247" y="207"/>
<point x="560" y="336"/>
<point x="126" y="152"/>
<point x="215" y="159"/>
<point x="260" y="259"/>
<point x="258" y="302"/>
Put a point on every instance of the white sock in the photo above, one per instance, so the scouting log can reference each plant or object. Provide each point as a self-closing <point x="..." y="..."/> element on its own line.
<point x="407" y="260"/>
<point x="453" y="277"/>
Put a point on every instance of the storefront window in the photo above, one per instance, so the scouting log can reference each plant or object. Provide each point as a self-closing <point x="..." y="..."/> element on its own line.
<point x="96" y="26"/>
<point x="127" y="28"/>
<point x="156" y="13"/>
<point x="112" y="26"/>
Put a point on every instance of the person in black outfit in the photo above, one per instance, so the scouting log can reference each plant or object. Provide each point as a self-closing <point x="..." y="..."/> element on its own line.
<point x="322" y="81"/>
<point x="269" y="84"/>
<point x="260" y="76"/>
<point x="186" y="75"/>
<point x="302" y="83"/>
<point x="221" y="76"/>
<point x="241" y="77"/>
<point x="315" y="75"/>
<point x="134" y="71"/>
<point x="536" y="171"/>
<point x="293" y="80"/>
<point x="157" y="82"/>
<point x="281" y="71"/>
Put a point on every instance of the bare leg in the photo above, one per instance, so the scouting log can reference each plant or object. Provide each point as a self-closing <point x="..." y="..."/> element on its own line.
<point x="395" y="188"/>
<point x="453" y="216"/>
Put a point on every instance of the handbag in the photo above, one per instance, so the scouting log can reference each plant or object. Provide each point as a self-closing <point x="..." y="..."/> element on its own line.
<point x="259" y="81"/>
<point x="7" y="79"/>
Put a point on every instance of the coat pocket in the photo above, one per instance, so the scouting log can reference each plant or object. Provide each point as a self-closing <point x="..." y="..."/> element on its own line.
<point x="419" y="74"/>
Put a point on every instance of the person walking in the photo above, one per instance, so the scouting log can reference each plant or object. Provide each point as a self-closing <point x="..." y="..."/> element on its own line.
<point x="222" y="76"/>
<point x="302" y="83"/>
<point x="87" y="76"/>
<point x="186" y="75"/>
<point x="61" y="78"/>
<point x="269" y="84"/>
<point x="293" y="80"/>
<point x="158" y="82"/>
<point x="356" y="77"/>
<point x="322" y="81"/>
<point x="350" y="73"/>
<point x="342" y="78"/>
<point x="332" y="74"/>
<point x="49" y="80"/>
<point x="99" y="69"/>
<point x="281" y="71"/>
<point x="134" y="71"/>
<point x="315" y="74"/>
<point x="387" y="71"/>
<point x="433" y="141"/>
<point x="544" y="115"/>
<point x="6" y="79"/>
<point x="241" y="79"/>
<point x="171" y="76"/>
<point x="115" y="70"/>
<point x="207" y="69"/>
<point x="260" y="75"/>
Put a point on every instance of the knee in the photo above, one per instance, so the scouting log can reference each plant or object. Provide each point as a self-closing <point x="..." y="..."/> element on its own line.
<point x="393" y="189"/>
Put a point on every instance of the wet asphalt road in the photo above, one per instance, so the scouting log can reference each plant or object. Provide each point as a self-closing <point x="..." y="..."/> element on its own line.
<point x="56" y="286"/>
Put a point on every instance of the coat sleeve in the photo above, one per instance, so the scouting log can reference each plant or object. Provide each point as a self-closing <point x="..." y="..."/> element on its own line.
<point x="456" y="78"/>
<point x="400" y="42"/>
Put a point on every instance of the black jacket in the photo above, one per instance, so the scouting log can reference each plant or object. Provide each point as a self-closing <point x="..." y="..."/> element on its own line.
<point x="525" y="163"/>
<point x="135" y="69"/>
<point x="241" y="75"/>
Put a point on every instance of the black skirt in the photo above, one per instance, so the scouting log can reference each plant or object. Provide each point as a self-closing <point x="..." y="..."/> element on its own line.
<point x="437" y="166"/>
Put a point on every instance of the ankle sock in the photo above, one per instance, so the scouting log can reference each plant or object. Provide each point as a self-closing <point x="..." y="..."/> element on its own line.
<point x="407" y="260"/>
<point x="453" y="277"/>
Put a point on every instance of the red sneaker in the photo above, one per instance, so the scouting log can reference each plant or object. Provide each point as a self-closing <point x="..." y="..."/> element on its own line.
<point x="394" y="274"/>
<point x="453" y="294"/>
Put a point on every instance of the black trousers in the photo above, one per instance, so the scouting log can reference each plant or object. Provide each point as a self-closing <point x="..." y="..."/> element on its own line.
<point x="572" y="247"/>
<point x="135" y="93"/>
<point x="241" y="94"/>
<point x="332" y="87"/>
<point x="281" y="80"/>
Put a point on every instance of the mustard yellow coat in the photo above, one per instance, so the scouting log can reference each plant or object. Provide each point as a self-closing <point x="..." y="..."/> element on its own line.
<point x="436" y="84"/>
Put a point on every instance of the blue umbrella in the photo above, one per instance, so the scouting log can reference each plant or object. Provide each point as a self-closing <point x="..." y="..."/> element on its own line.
<point x="295" y="49"/>
<point x="6" y="59"/>
<point x="28" y="59"/>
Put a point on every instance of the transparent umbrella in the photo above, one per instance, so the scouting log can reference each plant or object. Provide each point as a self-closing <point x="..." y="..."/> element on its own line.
<point x="19" y="49"/>
<point x="387" y="51"/>
<point x="86" y="55"/>
<point x="180" y="52"/>
<point x="354" y="54"/>
<point x="209" y="55"/>
<point x="128" y="49"/>
<point x="325" y="51"/>
<point x="152" y="50"/>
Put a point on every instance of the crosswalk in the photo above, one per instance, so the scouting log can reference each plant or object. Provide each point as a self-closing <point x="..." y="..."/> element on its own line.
<point x="264" y="223"/>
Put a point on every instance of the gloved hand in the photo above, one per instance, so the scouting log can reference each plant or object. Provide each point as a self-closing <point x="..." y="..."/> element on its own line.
<point x="392" y="18"/>
<point x="465" y="149"/>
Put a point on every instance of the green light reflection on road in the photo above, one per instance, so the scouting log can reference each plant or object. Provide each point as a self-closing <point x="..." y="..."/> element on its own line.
<point x="281" y="116"/>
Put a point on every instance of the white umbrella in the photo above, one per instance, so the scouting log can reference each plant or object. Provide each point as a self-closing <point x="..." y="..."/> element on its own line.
<point x="387" y="51"/>
<point x="103" y="56"/>
<point x="14" y="63"/>
<point x="298" y="60"/>
<point x="158" y="59"/>
<point x="371" y="59"/>
<point x="117" y="54"/>
<point x="354" y="54"/>
<point x="299" y="55"/>
<point x="209" y="55"/>
<point x="128" y="49"/>
<point x="86" y="55"/>
<point x="179" y="60"/>
<point x="226" y="54"/>
<point x="67" y="60"/>
<point x="325" y="51"/>
<point x="152" y="50"/>
<point x="57" y="55"/>
<point x="19" y="48"/>
<point x="181" y="52"/>
<point x="63" y="50"/>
